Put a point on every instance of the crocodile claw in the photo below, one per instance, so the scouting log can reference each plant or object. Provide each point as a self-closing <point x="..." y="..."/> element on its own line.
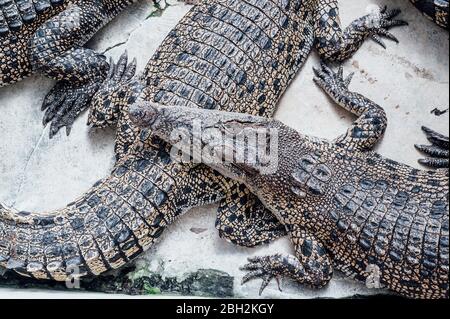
<point x="122" y="71"/>
<point x="330" y="80"/>
<point x="438" y="151"/>
<point x="64" y="103"/>
<point x="382" y="22"/>
<point x="266" y="268"/>
<point x="103" y="111"/>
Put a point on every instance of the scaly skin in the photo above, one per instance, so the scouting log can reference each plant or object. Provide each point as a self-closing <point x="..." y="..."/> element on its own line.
<point x="226" y="55"/>
<point x="343" y="205"/>
<point x="436" y="10"/>
<point x="47" y="36"/>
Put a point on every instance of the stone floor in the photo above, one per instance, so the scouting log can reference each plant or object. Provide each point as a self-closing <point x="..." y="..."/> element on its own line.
<point x="36" y="174"/>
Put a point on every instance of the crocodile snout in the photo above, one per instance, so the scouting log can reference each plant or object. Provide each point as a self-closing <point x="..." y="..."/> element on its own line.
<point x="143" y="114"/>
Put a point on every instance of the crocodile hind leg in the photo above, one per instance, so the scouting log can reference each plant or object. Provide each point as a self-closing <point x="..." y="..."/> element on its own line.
<point x="438" y="150"/>
<point x="335" y="44"/>
<point x="243" y="220"/>
<point x="371" y="123"/>
<point x="310" y="266"/>
<point x="55" y="50"/>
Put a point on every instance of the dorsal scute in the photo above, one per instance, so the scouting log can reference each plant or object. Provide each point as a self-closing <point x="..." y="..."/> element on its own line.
<point x="26" y="9"/>
<point x="41" y="5"/>
<point x="14" y="14"/>
<point x="11" y="14"/>
<point x="3" y="24"/>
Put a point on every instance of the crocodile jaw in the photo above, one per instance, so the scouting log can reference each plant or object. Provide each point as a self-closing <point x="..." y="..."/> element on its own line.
<point x="212" y="137"/>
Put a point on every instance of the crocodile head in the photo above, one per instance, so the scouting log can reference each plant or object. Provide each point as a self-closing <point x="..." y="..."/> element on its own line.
<point x="119" y="90"/>
<point x="239" y="146"/>
<point x="271" y="159"/>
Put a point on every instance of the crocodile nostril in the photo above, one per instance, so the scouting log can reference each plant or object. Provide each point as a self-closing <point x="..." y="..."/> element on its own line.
<point x="143" y="114"/>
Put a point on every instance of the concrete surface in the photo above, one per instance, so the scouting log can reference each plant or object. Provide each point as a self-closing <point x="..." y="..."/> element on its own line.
<point x="37" y="174"/>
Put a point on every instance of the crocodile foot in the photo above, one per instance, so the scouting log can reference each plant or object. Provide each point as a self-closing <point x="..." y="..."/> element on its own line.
<point x="266" y="268"/>
<point x="438" y="150"/>
<point x="311" y="265"/>
<point x="65" y="102"/>
<point x="332" y="82"/>
<point x="104" y="109"/>
<point x="380" y="24"/>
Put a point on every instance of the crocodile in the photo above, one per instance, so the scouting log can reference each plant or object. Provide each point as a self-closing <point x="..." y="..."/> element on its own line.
<point x="47" y="36"/>
<point x="436" y="10"/>
<point x="343" y="205"/>
<point x="234" y="55"/>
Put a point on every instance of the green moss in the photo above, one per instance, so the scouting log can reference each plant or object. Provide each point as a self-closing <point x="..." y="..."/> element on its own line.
<point x="159" y="9"/>
<point x="149" y="290"/>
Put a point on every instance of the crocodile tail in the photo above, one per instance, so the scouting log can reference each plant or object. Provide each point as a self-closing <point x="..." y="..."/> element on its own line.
<point x="23" y="243"/>
<point x="88" y="237"/>
<point x="119" y="218"/>
<point x="437" y="10"/>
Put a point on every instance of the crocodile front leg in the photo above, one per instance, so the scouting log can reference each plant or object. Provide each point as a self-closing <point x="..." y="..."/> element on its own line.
<point x="310" y="266"/>
<point x="104" y="110"/>
<point x="371" y="124"/>
<point x="335" y="44"/>
<point x="243" y="220"/>
<point x="55" y="50"/>
<point x="108" y="107"/>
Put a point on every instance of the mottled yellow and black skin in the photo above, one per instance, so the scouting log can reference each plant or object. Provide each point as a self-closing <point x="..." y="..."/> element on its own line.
<point x="47" y="36"/>
<point x="436" y="10"/>
<point x="235" y="55"/>
<point x="343" y="205"/>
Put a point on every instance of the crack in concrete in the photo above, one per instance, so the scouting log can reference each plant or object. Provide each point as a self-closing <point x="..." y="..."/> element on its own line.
<point x="129" y="35"/>
<point x="141" y="23"/>
<point x="27" y="163"/>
